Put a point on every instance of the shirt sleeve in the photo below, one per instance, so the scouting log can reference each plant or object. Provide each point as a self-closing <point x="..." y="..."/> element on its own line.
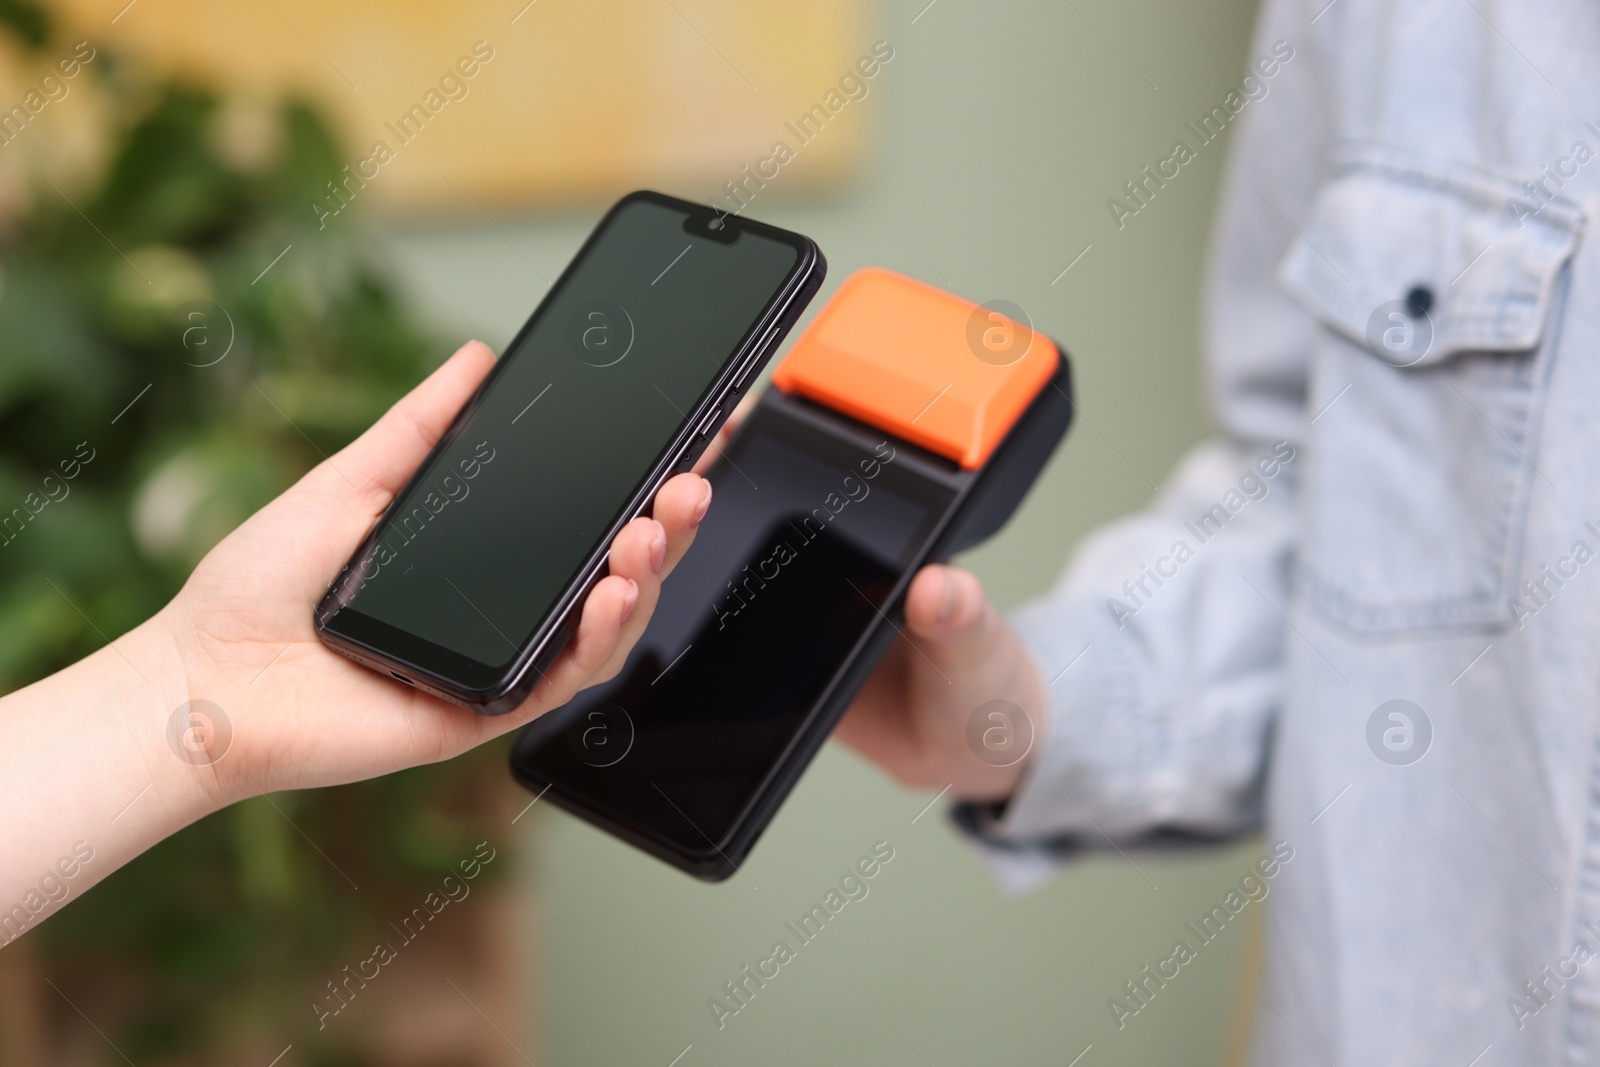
<point x="1162" y="646"/>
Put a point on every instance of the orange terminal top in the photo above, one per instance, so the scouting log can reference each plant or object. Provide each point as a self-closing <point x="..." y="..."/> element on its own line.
<point x="915" y="361"/>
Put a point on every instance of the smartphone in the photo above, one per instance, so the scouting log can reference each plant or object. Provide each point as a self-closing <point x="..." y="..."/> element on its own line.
<point x="791" y="596"/>
<point x="471" y="581"/>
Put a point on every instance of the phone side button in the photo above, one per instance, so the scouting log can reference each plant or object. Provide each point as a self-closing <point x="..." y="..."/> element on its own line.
<point x="755" y="358"/>
<point x="711" y="420"/>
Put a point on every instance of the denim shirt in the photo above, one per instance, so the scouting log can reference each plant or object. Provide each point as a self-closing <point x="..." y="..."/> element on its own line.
<point x="1366" y="618"/>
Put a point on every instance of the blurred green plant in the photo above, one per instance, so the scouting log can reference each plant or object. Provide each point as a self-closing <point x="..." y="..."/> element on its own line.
<point x="219" y="938"/>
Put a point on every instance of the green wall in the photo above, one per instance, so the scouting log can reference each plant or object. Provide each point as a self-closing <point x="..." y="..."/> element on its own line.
<point x="1001" y="130"/>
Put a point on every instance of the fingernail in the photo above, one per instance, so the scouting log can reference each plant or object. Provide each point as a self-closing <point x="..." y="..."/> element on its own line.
<point x="704" y="506"/>
<point x="948" y="608"/>
<point x="658" y="549"/>
<point x="630" y="601"/>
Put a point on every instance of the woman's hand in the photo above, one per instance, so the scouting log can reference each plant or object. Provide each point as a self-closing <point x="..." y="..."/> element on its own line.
<point x="302" y="715"/>
<point x="228" y="692"/>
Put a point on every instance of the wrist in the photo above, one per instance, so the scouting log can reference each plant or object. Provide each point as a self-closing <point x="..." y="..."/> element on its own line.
<point x="86" y="765"/>
<point x="147" y="675"/>
<point x="184" y="731"/>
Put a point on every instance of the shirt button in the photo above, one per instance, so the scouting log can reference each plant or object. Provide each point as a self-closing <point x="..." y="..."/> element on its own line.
<point x="1419" y="301"/>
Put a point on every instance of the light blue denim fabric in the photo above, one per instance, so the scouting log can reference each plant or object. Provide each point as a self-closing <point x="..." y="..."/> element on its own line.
<point x="1434" y="539"/>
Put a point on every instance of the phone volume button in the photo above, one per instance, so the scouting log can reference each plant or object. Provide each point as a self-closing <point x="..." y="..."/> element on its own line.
<point x="755" y="358"/>
<point x="711" y="420"/>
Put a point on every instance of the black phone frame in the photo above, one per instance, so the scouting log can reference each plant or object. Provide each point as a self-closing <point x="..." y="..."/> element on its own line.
<point x="491" y="690"/>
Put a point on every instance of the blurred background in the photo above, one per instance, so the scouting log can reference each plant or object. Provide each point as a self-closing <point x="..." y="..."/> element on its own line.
<point x="211" y="273"/>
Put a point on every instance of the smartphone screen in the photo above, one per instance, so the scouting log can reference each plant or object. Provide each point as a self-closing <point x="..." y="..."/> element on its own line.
<point x="578" y="415"/>
<point x="802" y="550"/>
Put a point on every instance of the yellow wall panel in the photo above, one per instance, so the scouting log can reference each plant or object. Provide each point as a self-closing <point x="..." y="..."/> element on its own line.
<point x="580" y="101"/>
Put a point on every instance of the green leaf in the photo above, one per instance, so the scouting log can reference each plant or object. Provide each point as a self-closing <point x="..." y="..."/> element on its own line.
<point x="29" y="22"/>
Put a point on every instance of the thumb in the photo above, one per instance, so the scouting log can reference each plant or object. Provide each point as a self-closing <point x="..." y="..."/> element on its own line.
<point x="949" y="615"/>
<point x="382" y="460"/>
<point x="328" y="511"/>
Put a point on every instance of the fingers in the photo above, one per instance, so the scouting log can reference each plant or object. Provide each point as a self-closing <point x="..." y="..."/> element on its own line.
<point x="912" y="716"/>
<point x="613" y="616"/>
<point x="679" y="507"/>
<point x="638" y="554"/>
<point x="642" y="555"/>
<point x="950" y="621"/>
<point x="382" y="459"/>
<point x="945" y="603"/>
<point x="607" y="609"/>
<point x="949" y="615"/>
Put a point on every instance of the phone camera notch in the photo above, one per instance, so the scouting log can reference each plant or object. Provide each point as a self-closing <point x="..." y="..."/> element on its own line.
<point x="714" y="225"/>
